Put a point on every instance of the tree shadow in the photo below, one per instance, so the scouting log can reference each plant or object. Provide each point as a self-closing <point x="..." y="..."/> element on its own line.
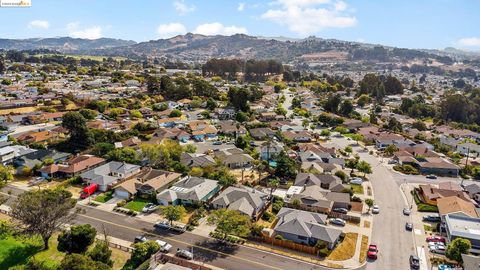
<point x="208" y="247"/>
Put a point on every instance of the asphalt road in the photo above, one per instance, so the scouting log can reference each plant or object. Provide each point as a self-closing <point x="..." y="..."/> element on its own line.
<point x="205" y="249"/>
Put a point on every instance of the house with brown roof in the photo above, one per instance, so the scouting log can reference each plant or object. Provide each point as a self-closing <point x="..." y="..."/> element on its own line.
<point x="44" y="137"/>
<point x="201" y="129"/>
<point x="298" y="136"/>
<point x="457" y="206"/>
<point x="430" y="193"/>
<point x="147" y="182"/>
<point x="71" y="167"/>
<point x="130" y="142"/>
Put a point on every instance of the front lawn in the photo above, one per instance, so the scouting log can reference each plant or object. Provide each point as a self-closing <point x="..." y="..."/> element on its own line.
<point x="346" y="249"/>
<point x="137" y="204"/>
<point x="105" y="197"/>
<point x="357" y="189"/>
<point x="421" y="206"/>
<point x="16" y="251"/>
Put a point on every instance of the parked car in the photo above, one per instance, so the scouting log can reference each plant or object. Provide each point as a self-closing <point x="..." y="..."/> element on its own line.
<point x="217" y="143"/>
<point x="149" y="208"/>
<point x="408" y="226"/>
<point x="88" y="191"/>
<point x="432" y="218"/>
<point x="372" y="252"/>
<point x="375" y="209"/>
<point x="178" y="228"/>
<point x="356" y="181"/>
<point x="435" y="238"/>
<point x="406" y="211"/>
<point x="414" y="262"/>
<point x="36" y="181"/>
<point x="431" y="176"/>
<point x="164" y="246"/>
<point x="140" y="239"/>
<point x="338" y="221"/>
<point x="340" y="210"/>
<point x="184" y="254"/>
<point x="162" y="225"/>
<point x="432" y="245"/>
<point x="438" y="249"/>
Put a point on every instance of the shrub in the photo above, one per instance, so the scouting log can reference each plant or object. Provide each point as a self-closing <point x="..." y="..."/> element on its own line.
<point x="121" y="203"/>
<point x="267" y="216"/>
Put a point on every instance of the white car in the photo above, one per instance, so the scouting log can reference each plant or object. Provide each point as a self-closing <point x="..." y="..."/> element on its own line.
<point x="356" y="181"/>
<point x="338" y="221"/>
<point x="438" y="248"/>
<point x="164" y="246"/>
<point x="406" y="211"/>
<point x="375" y="209"/>
<point x="184" y="254"/>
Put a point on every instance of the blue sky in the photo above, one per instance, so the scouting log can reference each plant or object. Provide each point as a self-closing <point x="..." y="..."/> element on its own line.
<point x="402" y="23"/>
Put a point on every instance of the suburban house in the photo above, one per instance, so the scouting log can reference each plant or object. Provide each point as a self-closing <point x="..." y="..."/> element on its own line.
<point x="455" y="205"/>
<point x="38" y="137"/>
<point x="261" y="133"/>
<point x="430" y="193"/>
<point x="316" y="199"/>
<point x="71" y="167"/>
<point x="269" y="150"/>
<point x="202" y="130"/>
<point x="325" y="181"/>
<point x="298" y="136"/>
<point x="33" y="158"/>
<point x="7" y="154"/>
<point x="470" y="262"/>
<point x="170" y="133"/>
<point x="305" y="227"/>
<point x="225" y="113"/>
<point x="245" y="200"/>
<point x="147" y="182"/>
<point x="188" y="191"/>
<point x="230" y="128"/>
<point x="233" y="158"/>
<point x="196" y="160"/>
<point x="131" y="142"/>
<point x="465" y="227"/>
<point x="107" y="175"/>
<point x="473" y="190"/>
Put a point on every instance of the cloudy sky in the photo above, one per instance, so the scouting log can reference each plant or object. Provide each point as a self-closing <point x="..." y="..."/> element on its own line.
<point x="402" y="23"/>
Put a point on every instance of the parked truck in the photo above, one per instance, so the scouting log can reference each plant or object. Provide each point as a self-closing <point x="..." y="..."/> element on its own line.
<point x="88" y="191"/>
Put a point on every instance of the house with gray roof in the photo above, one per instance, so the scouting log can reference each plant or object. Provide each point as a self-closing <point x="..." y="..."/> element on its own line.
<point x="459" y="226"/>
<point x="107" y="175"/>
<point x="233" y="158"/>
<point x="305" y="227"/>
<point x="188" y="191"/>
<point x="196" y="160"/>
<point x="325" y="181"/>
<point x="245" y="200"/>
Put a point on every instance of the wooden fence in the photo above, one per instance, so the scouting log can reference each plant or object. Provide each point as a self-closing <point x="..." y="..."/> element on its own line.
<point x="287" y="244"/>
<point x="118" y="246"/>
<point x="164" y="258"/>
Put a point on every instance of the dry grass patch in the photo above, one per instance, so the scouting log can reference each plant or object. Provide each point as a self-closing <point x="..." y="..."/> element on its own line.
<point x="346" y="249"/>
<point x="366" y="224"/>
<point x="119" y="257"/>
<point x="363" y="249"/>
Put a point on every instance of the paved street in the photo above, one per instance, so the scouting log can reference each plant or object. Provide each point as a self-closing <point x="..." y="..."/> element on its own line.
<point x="205" y="249"/>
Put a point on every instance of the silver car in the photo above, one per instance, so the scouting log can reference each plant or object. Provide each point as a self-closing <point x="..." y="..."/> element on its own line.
<point x="184" y="254"/>
<point x="338" y="221"/>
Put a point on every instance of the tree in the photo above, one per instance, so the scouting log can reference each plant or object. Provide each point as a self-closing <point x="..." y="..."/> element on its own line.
<point x="394" y="125"/>
<point x="141" y="252"/>
<point x="346" y="108"/>
<point x="391" y="149"/>
<point x="230" y="222"/>
<point x="125" y="154"/>
<point x="332" y="103"/>
<point x="393" y="86"/>
<point x="81" y="262"/>
<point x="457" y="247"/>
<point x="286" y="166"/>
<point x="369" y="202"/>
<point x="241" y="117"/>
<point x="325" y="133"/>
<point x="136" y="114"/>
<point x="80" y="137"/>
<point x="196" y="172"/>
<point x="44" y="211"/>
<point x="2" y="66"/>
<point x="6" y="174"/>
<point x="364" y="167"/>
<point x="363" y="100"/>
<point x="273" y="184"/>
<point x="175" y="113"/>
<point x="77" y="239"/>
<point x="173" y="212"/>
<point x="101" y="253"/>
<point x="242" y="142"/>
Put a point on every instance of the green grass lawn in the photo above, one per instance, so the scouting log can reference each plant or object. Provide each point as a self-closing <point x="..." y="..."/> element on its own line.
<point x="51" y="257"/>
<point x="16" y="251"/>
<point x="137" y="204"/>
<point x="357" y="189"/>
<point x="105" y="197"/>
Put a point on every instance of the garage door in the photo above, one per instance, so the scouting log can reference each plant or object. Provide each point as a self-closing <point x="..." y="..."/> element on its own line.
<point x="121" y="194"/>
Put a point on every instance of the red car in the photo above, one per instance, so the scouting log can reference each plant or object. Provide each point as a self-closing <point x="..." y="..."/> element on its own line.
<point x="372" y="252"/>
<point x="436" y="239"/>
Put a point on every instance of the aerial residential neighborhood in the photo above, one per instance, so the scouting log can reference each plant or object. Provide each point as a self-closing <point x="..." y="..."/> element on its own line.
<point x="279" y="140"/>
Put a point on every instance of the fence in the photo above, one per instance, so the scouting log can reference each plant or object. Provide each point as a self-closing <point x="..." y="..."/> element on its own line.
<point x="164" y="258"/>
<point x="118" y="246"/>
<point x="287" y="244"/>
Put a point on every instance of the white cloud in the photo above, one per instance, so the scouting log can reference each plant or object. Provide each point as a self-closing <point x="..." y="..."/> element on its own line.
<point x="93" y="32"/>
<point x="210" y="29"/>
<point x="469" y="42"/>
<point x="306" y="17"/>
<point x="241" y="7"/>
<point x="183" y="8"/>
<point x="171" y="29"/>
<point x="39" y="24"/>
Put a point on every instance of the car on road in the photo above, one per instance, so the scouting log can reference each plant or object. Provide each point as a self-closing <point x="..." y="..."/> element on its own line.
<point x="372" y="252"/>
<point x="338" y="221"/>
<point x="408" y="226"/>
<point x="375" y="209"/>
<point x="340" y="210"/>
<point x="164" y="246"/>
<point x="431" y="176"/>
<point x="414" y="262"/>
<point x="149" y="208"/>
<point x="217" y="143"/>
<point x="356" y="181"/>
<point x="178" y="228"/>
<point x="435" y="238"/>
<point x="184" y="254"/>
<point x="407" y="211"/>
<point x="140" y="239"/>
<point x="431" y="218"/>
<point x="162" y="225"/>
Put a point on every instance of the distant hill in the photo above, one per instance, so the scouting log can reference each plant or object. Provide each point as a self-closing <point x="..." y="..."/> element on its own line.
<point x="63" y="44"/>
<point x="199" y="48"/>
